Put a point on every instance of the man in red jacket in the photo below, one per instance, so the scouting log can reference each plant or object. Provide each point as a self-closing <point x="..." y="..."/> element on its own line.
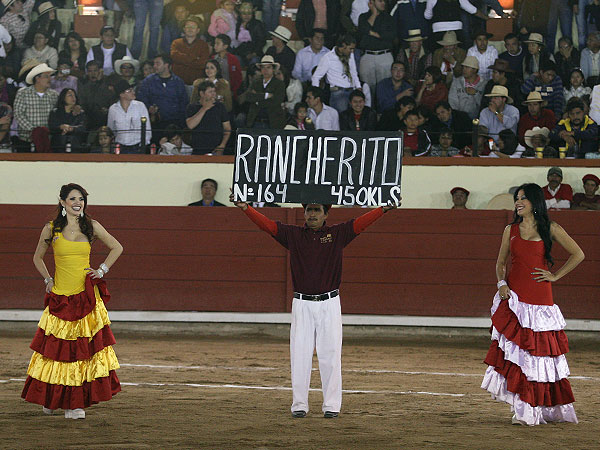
<point x="558" y="195"/>
<point x="316" y="263"/>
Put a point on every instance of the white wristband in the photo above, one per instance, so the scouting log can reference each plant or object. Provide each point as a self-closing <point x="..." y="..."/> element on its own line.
<point x="104" y="267"/>
<point x="501" y="283"/>
<point x="48" y="280"/>
<point x="100" y="273"/>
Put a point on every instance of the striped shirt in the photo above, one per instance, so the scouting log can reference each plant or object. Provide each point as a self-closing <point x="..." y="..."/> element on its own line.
<point x="32" y="109"/>
<point x="552" y="93"/>
<point x="18" y="24"/>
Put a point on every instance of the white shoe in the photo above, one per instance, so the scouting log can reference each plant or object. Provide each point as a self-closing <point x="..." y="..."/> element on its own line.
<point x="47" y="410"/>
<point x="74" y="413"/>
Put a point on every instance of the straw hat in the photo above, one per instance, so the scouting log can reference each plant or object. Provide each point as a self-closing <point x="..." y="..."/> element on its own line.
<point x="28" y="64"/>
<point x="500" y="91"/>
<point x="292" y="127"/>
<point x="449" y="39"/>
<point x="282" y="33"/>
<point x="471" y="61"/>
<point x="535" y="97"/>
<point x="535" y="131"/>
<point x="40" y="68"/>
<point x="126" y="60"/>
<point x="7" y="3"/>
<point x="414" y="35"/>
<point x="267" y="59"/>
<point x="501" y="65"/>
<point x="45" y="7"/>
<point x="535" y="38"/>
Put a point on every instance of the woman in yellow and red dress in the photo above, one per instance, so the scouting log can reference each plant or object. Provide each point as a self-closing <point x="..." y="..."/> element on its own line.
<point x="73" y="364"/>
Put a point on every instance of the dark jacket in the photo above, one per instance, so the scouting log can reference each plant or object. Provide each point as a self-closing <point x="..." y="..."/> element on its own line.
<point x="564" y="66"/>
<point x="256" y="97"/>
<point x="95" y="98"/>
<point x="409" y="18"/>
<point x="258" y="33"/>
<point x="367" y="121"/>
<point x="199" y="203"/>
<point x="80" y="71"/>
<point x="286" y="58"/>
<point x="305" y="19"/>
<point x="586" y="137"/>
<point x="77" y="139"/>
<point x="171" y="99"/>
<point x="120" y="51"/>
<point x="460" y="125"/>
<point x="52" y="29"/>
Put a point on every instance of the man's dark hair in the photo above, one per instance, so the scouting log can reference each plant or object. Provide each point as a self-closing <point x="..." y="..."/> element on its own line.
<point x="345" y="39"/>
<point x="202" y="87"/>
<point x="547" y="65"/>
<point x="574" y="103"/>
<point x="166" y="59"/>
<point x="511" y="36"/>
<point x="172" y="130"/>
<point x="317" y="30"/>
<point x="299" y="105"/>
<point x="106" y="28"/>
<point x="316" y="92"/>
<point x="405" y="101"/>
<point x="446" y="131"/>
<point x="91" y="63"/>
<point x="356" y="93"/>
<point x="224" y="39"/>
<point x="398" y="62"/>
<point x="443" y="104"/>
<point x="326" y="208"/>
<point x="412" y="112"/>
<point x="211" y="181"/>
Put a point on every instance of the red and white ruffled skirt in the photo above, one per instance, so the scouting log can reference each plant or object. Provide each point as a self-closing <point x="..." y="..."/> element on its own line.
<point x="527" y="364"/>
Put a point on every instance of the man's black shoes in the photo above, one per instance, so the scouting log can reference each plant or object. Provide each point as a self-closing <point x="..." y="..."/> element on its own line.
<point x="298" y="414"/>
<point x="331" y="414"/>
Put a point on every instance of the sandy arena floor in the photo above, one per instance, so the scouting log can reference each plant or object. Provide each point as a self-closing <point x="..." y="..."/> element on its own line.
<point x="210" y="392"/>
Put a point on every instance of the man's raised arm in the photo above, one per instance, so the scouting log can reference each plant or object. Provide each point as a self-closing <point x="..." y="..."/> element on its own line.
<point x="262" y="221"/>
<point x="361" y="223"/>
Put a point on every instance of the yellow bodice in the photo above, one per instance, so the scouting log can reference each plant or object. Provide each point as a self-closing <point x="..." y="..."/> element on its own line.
<point x="70" y="261"/>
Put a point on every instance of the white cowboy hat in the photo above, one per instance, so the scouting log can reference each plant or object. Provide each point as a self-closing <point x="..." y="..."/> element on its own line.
<point x="45" y="7"/>
<point x="282" y="33"/>
<point x="500" y="91"/>
<point x="268" y="59"/>
<point x="449" y="39"/>
<point x="126" y="60"/>
<point x="414" y="35"/>
<point x="529" y="134"/>
<point x="40" y="68"/>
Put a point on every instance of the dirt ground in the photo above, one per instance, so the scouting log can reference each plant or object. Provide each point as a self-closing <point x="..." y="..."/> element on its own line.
<point x="211" y="392"/>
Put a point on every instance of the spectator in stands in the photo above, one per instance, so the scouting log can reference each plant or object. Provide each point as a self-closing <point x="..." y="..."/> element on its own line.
<point x="108" y="51"/>
<point x="500" y="114"/>
<point x="293" y="88"/>
<point x="74" y="50"/>
<point x="549" y="85"/>
<point x="68" y="123"/>
<point x="536" y="55"/>
<point x="319" y="14"/>
<point x="340" y="68"/>
<point x="578" y="132"/>
<point x="189" y="53"/>
<point x="209" y="121"/>
<point x="514" y="54"/>
<point x="390" y="90"/>
<point x="459" y="198"/>
<point x="32" y="108"/>
<point x="559" y="9"/>
<point x="17" y="19"/>
<point x="433" y="89"/>
<point x="590" y="56"/>
<point x="537" y="138"/>
<point x="416" y="140"/>
<point x="104" y="141"/>
<point x="251" y="36"/>
<point x="94" y="95"/>
<point x="358" y="117"/>
<point x="444" y="148"/>
<point x="502" y="75"/>
<point x="449" y="57"/>
<point x="230" y="64"/>
<point x="280" y="51"/>
<point x="8" y="90"/>
<point x="172" y="143"/>
<point x="212" y="73"/>
<point x="456" y="121"/>
<point x="558" y="195"/>
<point x="300" y="119"/>
<point x="486" y="54"/>
<point x="377" y="31"/>
<point x="41" y="51"/>
<point x="125" y="119"/>
<point x="323" y="116"/>
<point x="5" y="121"/>
<point x="466" y="91"/>
<point x="173" y="26"/>
<point x="414" y="57"/>
<point x="445" y="15"/>
<point x="271" y="10"/>
<point x="575" y="85"/>
<point x="507" y="146"/>
<point x="393" y="119"/>
<point x="127" y="68"/>
<point x="208" y="188"/>
<point x="63" y="78"/>
<point x="410" y="14"/>
<point x="266" y="95"/>
<point x="567" y="58"/>
<point x="223" y="21"/>
<point x="165" y="96"/>
<point x="536" y="116"/>
<point x="146" y="70"/>
<point x="47" y="23"/>
<point x="588" y="200"/>
<point x="143" y="8"/>
<point x="308" y="58"/>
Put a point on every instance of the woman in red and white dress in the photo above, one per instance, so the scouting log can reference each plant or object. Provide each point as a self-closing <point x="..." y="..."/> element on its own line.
<point x="527" y="364"/>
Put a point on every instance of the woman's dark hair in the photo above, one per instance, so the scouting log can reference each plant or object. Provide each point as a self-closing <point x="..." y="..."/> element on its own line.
<point x="60" y="221"/>
<point x="287" y="76"/>
<point x="60" y="103"/>
<point x="105" y="130"/>
<point x="435" y="73"/>
<point x="77" y="37"/>
<point x="299" y="105"/>
<point x="215" y="63"/>
<point x="535" y="195"/>
<point x="567" y="82"/>
<point x="510" y="141"/>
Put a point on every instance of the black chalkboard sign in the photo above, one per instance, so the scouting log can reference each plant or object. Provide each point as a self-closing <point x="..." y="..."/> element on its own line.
<point x="327" y="167"/>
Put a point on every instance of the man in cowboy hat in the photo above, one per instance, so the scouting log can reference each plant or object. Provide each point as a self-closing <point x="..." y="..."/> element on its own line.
<point x="17" y="19"/>
<point x="127" y="67"/>
<point x="485" y="54"/>
<point x="377" y="31"/>
<point x="538" y="137"/>
<point x="578" y="132"/>
<point x="536" y="116"/>
<point x="311" y="15"/>
<point x="33" y="104"/>
<point x="414" y="57"/>
<point x="108" y="51"/>
<point x="449" y="58"/>
<point x="549" y="85"/>
<point x="466" y="91"/>
<point x="280" y="51"/>
<point x="588" y="200"/>
<point x="502" y="75"/>
<point x="500" y="114"/>
<point x="265" y="96"/>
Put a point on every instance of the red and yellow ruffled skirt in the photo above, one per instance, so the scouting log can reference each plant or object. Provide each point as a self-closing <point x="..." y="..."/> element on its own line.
<point x="73" y="364"/>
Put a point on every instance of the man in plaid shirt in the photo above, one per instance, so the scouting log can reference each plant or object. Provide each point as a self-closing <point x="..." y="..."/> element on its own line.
<point x="16" y="19"/>
<point x="33" y="104"/>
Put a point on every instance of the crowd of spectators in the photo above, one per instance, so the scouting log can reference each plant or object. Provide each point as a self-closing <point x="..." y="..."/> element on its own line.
<point x="425" y="67"/>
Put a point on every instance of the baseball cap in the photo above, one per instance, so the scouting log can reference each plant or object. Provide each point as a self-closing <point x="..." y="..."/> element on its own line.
<point x="458" y="188"/>
<point x="591" y="176"/>
<point x="555" y="171"/>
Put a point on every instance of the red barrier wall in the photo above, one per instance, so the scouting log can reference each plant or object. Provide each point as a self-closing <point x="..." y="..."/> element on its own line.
<point x="410" y="262"/>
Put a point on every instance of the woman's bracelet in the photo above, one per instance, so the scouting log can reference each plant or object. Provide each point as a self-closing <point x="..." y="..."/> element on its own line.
<point x="104" y="268"/>
<point x="501" y="283"/>
<point x="48" y="280"/>
<point x="100" y="273"/>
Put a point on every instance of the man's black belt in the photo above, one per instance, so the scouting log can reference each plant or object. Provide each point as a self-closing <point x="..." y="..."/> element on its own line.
<point x="317" y="297"/>
<point x="377" y="52"/>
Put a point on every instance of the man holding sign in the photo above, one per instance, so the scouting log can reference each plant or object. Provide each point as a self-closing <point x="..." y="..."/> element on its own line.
<point x="316" y="263"/>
